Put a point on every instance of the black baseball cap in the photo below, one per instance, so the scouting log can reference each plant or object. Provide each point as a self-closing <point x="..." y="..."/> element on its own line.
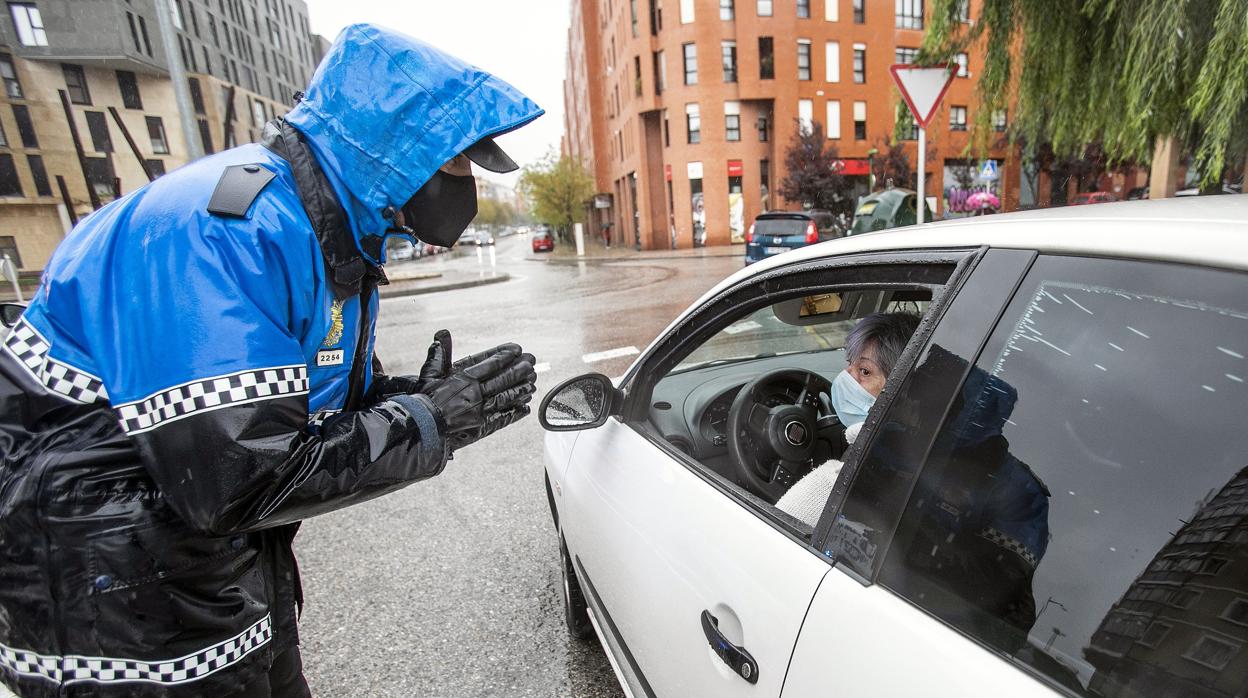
<point x="487" y="154"/>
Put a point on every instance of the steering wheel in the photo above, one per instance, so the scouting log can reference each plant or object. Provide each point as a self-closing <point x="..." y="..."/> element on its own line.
<point x="773" y="447"/>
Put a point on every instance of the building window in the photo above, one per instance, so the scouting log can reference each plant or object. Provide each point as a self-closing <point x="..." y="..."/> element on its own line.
<point x="10" y="185"/>
<point x="964" y="11"/>
<point x="803" y="9"/>
<point x="764" y="124"/>
<point x="12" y="87"/>
<point x="25" y="127"/>
<point x="909" y="14"/>
<point x="667" y="131"/>
<point x="147" y="43"/>
<point x="1237" y="612"/>
<point x="691" y="63"/>
<point x="957" y="118"/>
<point x="860" y="13"/>
<point x="686" y="11"/>
<point x="39" y="174"/>
<point x="803" y="59"/>
<point x="860" y="63"/>
<point x="175" y="11"/>
<point x="129" y="86"/>
<point x="660" y="72"/>
<point x="29" y="24"/>
<point x="732" y="121"/>
<point x="764" y="8"/>
<point x="205" y="137"/>
<point x="833" y="126"/>
<point x="903" y="112"/>
<point x="632" y="8"/>
<point x="8" y="247"/>
<point x="726" y="9"/>
<point x="805" y="116"/>
<point x="656" y="17"/>
<point x="832" y="61"/>
<point x="197" y="95"/>
<point x="766" y="58"/>
<point x="257" y="113"/>
<point x="693" y="124"/>
<point x="831" y="13"/>
<point x="101" y="177"/>
<point x="636" y="76"/>
<point x="155" y="168"/>
<point x="97" y="125"/>
<point x="1155" y="633"/>
<point x="963" y="65"/>
<point x="76" y="83"/>
<point x="860" y="121"/>
<point x="4" y="137"/>
<point x="998" y="120"/>
<point x="905" y="55"/>
<point x="1212" y="652"/>
<point x="156" y="131"/>
<point x="729" y="50"/>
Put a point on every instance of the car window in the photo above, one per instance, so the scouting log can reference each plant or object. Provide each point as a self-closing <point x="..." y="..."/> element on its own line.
<point x="780" y="226"/>
<point x="1084" y="507"/>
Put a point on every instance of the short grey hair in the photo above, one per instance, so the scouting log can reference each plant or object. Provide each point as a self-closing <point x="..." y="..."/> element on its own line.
<point x="889" y="332"/>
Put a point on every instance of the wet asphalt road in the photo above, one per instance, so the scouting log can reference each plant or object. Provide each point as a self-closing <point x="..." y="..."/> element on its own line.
<point x="451" y="587"/>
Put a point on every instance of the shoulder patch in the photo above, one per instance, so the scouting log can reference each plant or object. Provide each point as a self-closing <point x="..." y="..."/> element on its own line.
<point x="237" y="190"/>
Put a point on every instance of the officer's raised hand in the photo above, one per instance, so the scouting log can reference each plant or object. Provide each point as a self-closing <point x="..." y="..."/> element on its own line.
<point x="478" y="394"/>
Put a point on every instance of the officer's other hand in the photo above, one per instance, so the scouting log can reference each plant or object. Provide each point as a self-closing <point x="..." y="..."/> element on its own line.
<point x="479" y="394"/>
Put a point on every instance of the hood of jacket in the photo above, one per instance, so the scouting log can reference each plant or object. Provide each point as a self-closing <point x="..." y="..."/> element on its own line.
<point x="384" y="111"/>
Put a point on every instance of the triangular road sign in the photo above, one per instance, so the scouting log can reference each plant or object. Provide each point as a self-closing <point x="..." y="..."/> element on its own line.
<point x="923" y="88"/>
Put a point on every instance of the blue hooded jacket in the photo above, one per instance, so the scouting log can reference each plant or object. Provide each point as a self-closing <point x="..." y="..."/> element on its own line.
<point x="173" y="399"/>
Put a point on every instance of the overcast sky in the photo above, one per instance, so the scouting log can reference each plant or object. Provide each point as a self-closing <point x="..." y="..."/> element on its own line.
<point x="520" y="42"/>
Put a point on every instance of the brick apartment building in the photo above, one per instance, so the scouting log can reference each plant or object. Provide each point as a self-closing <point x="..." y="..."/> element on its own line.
<point x="683" y="109"/>
<point x="110" y="54"/>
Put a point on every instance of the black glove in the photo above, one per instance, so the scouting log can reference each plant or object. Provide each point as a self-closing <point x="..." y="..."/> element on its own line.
<point x="480" y="394"/>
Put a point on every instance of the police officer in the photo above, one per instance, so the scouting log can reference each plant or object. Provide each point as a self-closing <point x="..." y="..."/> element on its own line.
<point x="195" y="376"/>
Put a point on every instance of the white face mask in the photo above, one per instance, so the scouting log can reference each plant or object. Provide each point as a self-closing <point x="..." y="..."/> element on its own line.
<point x="850" y="400"/>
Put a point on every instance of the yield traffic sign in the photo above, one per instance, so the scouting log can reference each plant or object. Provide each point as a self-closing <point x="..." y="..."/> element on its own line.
<point x="923" y="88"/>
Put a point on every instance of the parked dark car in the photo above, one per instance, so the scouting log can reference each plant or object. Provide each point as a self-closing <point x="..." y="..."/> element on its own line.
<point x="891" y="208"/>
<point x="780" y="231"/>
<point x="543" y="241"/>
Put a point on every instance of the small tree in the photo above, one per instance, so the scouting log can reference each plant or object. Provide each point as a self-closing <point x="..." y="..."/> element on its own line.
<point x="813" y="171"/>
<point x="892" y="165"/>
<point x="557" y="189"/>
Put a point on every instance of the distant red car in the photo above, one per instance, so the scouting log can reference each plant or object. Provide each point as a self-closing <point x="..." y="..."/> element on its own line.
<point x="1092" y="197"/>
<point x="543" y="242"/>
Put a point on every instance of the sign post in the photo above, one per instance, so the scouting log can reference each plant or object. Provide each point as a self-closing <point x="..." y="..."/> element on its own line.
<point x="922" y="87"/>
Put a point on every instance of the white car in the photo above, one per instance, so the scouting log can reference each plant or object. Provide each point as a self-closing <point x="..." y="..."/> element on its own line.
<point x="1050" y="495"/>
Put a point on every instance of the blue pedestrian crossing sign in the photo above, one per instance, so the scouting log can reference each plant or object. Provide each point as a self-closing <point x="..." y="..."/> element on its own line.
<point x="988" y="170"/>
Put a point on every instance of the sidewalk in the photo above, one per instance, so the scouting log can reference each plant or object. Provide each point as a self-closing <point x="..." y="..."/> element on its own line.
<point x="566" y="253"/>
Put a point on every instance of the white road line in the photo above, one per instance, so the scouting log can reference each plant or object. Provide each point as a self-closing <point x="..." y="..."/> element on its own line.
<point x="541" y="368"/>
<point x="609" y="354"/>
<point x="742" y="327"/>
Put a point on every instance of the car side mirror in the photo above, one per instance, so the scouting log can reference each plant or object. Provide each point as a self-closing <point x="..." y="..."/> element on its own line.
<point x="583" y="402"/>
<point x="10" y="313"/>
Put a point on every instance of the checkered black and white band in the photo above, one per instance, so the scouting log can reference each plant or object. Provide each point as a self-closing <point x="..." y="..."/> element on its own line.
<point x="172" y="404"/>
<point x="79" y="669"/>
<point x="316" y="419"/>
<point x="30" y="349"/>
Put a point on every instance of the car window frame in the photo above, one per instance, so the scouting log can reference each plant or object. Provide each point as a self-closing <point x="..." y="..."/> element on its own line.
<point x="755" y="292"/>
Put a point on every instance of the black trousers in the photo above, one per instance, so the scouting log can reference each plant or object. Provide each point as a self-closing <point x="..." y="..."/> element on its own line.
<point x="284" y="680"/>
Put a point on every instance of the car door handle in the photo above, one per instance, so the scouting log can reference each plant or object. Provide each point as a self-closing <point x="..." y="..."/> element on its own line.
<point x="734" y="656"/>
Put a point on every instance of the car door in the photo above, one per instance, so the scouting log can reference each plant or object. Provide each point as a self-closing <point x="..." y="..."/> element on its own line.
<point x="663" y="547"/>
<point x="1056" y="500"/>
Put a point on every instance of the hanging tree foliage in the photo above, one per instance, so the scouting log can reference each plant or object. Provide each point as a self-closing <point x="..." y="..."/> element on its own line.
<point x="1114" y="72"/>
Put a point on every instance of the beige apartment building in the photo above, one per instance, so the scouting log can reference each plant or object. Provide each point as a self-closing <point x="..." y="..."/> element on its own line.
<point x="244" y="59"/>
<point x="683" y="110"/>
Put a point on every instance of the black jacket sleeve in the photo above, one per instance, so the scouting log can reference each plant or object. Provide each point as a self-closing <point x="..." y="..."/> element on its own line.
<point x="256" y="465"/>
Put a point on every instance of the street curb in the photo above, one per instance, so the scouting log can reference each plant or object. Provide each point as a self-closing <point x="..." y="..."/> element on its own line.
<point x="638" y="258"/>
<point x="400" y="292"/>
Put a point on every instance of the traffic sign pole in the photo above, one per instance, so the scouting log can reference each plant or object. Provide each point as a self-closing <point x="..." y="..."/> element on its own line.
<point x="922" y="202"/>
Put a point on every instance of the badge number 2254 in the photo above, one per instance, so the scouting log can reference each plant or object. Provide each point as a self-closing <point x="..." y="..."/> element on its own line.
<point x="329" y="357"/>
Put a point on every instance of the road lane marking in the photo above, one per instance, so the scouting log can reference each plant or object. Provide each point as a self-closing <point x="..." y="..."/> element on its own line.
<point x="541" y="368"/>
<point x="742" y="327"/>
<point x="609" y="354"/>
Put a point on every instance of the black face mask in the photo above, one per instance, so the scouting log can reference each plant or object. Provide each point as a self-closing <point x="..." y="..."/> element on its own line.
<point x="442" y="209"/>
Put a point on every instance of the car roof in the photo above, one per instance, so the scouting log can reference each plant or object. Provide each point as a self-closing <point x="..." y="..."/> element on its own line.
<point x="1205" y="230"/>
<point x="774" y="215"/>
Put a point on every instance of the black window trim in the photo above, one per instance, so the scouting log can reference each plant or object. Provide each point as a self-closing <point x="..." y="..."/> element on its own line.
<point x="725" y="309"/>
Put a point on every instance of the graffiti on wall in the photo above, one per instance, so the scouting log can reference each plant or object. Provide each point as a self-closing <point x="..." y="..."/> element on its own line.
<point x="964" y="179"/>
